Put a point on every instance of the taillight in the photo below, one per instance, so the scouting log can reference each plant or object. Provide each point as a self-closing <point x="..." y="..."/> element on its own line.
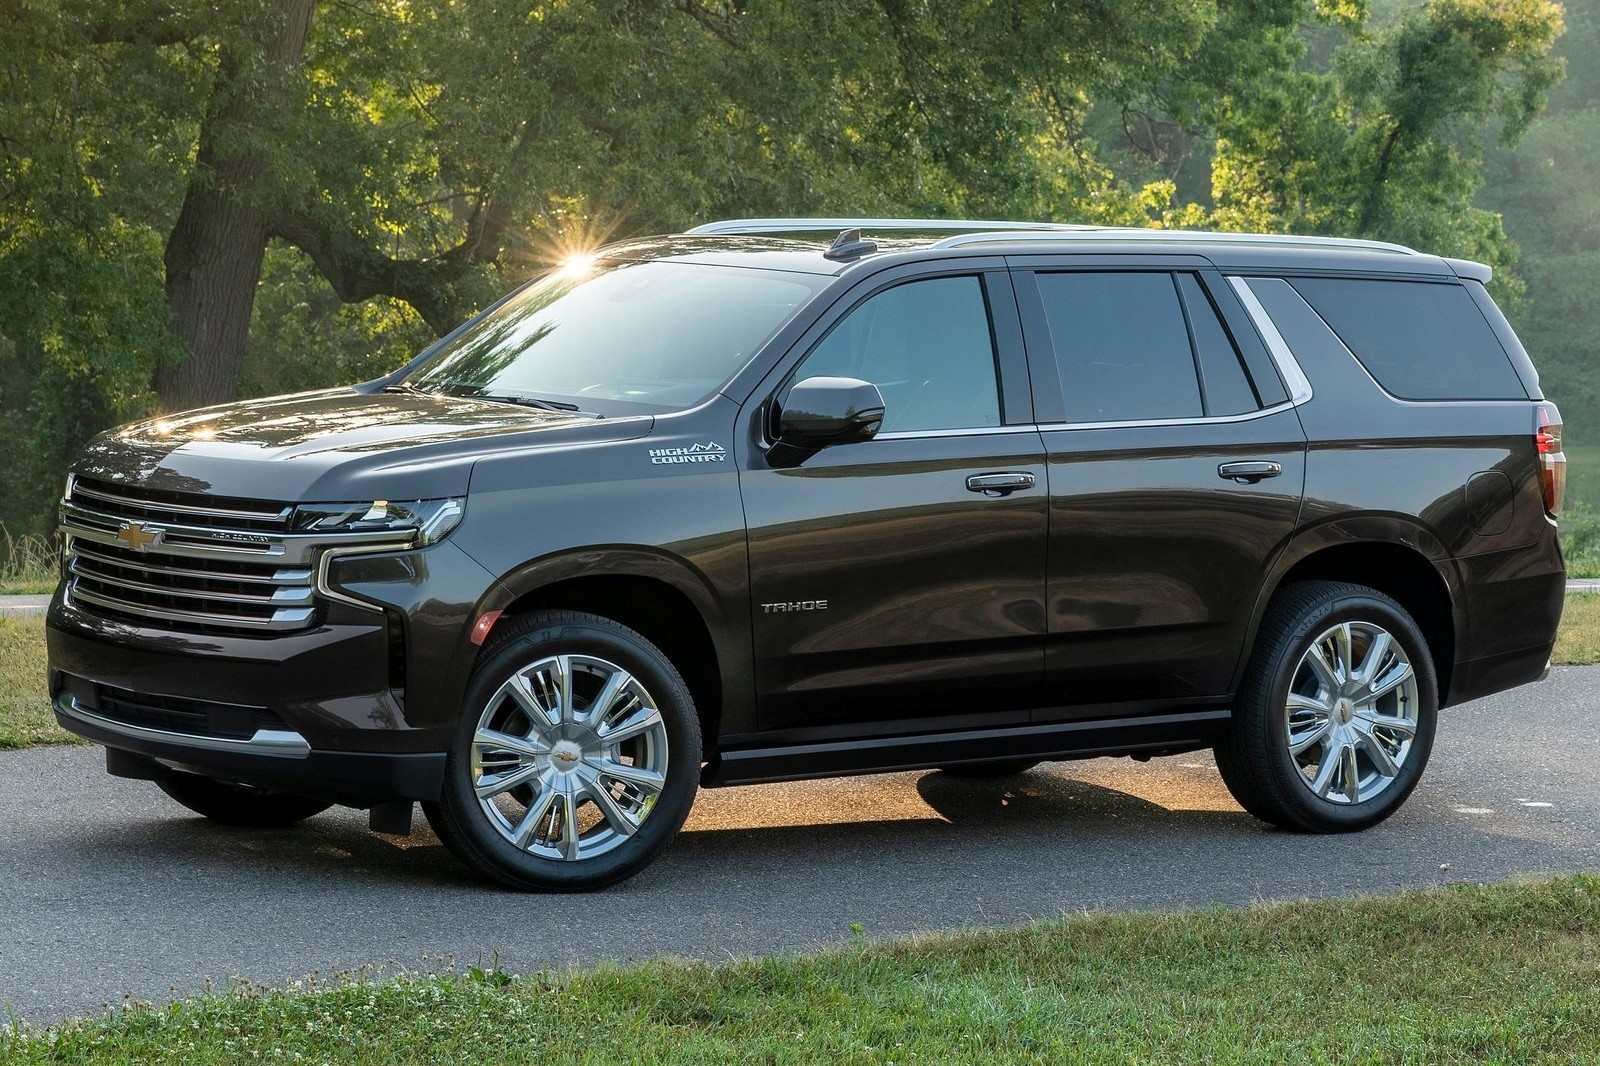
<point x="1552" y="461"/>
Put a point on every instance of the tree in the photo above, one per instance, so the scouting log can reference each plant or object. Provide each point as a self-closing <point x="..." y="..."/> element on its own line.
<point x="1388" y="142"/>
<point x="388" y="165"/>
<point x="1545" y="189"/>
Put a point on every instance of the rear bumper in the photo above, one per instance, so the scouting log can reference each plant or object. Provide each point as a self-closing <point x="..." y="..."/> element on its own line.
<point x="1510" y="611"/>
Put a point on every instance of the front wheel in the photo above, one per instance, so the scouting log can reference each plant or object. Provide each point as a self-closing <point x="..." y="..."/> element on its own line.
<point x="235" y="804"/>
<point x="1336" y="715"/>
<point x="576" y="759"/>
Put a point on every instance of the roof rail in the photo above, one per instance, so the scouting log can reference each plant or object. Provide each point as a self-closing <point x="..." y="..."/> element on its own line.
<point x="925" y="225"/>
<point x="1129" y="233"/>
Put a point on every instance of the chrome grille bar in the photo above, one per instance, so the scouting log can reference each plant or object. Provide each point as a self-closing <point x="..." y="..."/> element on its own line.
<point x="155" y="565"/>
<point x="184" y="561"/>
<point x="117" y="500"/>
<point x="280" y="621"/>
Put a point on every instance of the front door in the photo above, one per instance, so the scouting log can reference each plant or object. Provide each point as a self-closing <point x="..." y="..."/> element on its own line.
<point x="891" y="591"/>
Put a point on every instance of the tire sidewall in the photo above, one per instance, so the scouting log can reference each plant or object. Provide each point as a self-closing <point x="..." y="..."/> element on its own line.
<point x="1351" y="607"/>
<point x="603" y="640"/>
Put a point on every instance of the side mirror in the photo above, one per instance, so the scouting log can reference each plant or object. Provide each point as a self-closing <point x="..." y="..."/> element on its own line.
<point x="818" y="412"/>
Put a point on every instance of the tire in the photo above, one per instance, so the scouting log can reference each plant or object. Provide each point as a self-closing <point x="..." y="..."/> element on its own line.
<point x="567" y="769"/>
<point x="1365" y="702"/>
<point x="235" y="804"/>
<point x="992" y="769"/>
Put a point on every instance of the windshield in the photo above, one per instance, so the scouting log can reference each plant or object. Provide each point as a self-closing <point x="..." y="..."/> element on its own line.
<point x="623" y="338"/>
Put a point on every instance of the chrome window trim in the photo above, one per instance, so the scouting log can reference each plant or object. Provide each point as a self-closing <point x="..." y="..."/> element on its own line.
<point x="1293" y="376"/>
<point x="276" y="743"/>
<point x="913" y="434"/>
<point x="1212" y="420"/>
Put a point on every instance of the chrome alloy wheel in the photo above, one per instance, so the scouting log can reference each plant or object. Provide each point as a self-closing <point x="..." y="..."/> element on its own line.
<point x="569" y="757"/>
<point x="1351" y="713"/>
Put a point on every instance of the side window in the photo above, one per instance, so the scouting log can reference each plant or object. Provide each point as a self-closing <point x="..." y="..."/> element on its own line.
<point x="1224" y="383"/>
<point x="1420" y="340"/>
<point x="1122" y="346"/>
<point x="928" y="348"/>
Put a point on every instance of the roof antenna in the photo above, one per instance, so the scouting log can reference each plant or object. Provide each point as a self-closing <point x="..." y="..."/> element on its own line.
<point x="849" y="245"/>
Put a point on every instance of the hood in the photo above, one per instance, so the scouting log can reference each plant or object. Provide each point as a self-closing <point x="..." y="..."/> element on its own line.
<point x="334" y="445"/>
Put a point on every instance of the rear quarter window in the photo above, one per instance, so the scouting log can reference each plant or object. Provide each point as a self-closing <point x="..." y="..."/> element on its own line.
<point x="1419" y="340"/>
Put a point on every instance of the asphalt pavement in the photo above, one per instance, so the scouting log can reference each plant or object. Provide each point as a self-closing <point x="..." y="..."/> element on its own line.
<point x="110" y="891"/>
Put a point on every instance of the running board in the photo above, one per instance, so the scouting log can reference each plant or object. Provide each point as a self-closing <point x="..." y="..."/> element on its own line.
<point x="1164" y="734"/>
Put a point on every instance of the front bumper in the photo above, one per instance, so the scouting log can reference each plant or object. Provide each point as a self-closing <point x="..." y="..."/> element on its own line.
<point x="282" y="761"/>
<point x="358" y="708"/>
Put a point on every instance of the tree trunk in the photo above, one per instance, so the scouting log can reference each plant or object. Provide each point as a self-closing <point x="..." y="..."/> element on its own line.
<point x="215" y="250"/>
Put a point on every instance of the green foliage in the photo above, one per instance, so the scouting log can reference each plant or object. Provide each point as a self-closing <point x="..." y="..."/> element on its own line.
<point x="1546" y="192"/>
<point x="303" y="337"/>
<point x="420" y="156"/>
<point x="1385" y="143"/>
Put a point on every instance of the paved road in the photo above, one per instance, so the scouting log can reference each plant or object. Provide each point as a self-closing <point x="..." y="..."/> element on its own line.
<point x="107" y="888"/>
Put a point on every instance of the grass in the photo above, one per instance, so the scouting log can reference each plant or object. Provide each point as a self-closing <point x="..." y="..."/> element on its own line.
<point x="27" y="565"/>
<point x="1467" y="974"/>
<point x="1578" y="639"/>
<point x="25" y="716"/>
<point x="1580" y="515"/>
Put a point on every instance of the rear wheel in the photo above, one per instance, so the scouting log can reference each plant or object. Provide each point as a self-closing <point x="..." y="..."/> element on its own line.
<point x="1336" y="716"/>
<point x="236" y="804"/>
<point x="576" y="759"/>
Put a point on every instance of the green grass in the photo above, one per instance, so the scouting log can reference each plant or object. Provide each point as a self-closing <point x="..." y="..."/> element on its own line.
<point x="27" y="565"/>
<point x="1578" y="639"/>
<point x="1468" y="974"/>
<point x="1580" y="516"/>
<point x="25" y="716"/>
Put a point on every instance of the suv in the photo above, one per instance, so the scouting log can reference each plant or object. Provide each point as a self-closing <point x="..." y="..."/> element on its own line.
<point x="749" y="504"/>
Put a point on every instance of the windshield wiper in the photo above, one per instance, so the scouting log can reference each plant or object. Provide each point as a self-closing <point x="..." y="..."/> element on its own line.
<point x="526" y="401"/>
<point x="465" y="391"/>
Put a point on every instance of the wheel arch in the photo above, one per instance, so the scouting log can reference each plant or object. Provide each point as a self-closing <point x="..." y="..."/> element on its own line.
<point x="1401" y="559"/>
<point x="660" y="596"/>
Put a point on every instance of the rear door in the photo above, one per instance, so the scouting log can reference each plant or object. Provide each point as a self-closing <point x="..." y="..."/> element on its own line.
<point x="891" y="592"/>
<point x="1177" y="465"/>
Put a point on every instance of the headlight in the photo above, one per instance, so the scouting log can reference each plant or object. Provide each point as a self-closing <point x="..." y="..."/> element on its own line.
<point x="430" y="520"/>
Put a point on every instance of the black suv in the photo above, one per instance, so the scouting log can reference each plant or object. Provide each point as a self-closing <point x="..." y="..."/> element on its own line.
<point x="756" y="503"/>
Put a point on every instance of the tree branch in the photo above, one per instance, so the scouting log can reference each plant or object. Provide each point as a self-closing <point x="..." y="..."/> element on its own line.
<point x="357" y="271"/>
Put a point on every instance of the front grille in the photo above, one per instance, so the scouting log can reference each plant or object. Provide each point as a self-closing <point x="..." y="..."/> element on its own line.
<point x="184" y="561"/>
<point x="174" y="714"/>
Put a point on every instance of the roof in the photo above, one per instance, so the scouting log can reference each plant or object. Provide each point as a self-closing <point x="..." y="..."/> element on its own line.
<point x="802" y="244"/>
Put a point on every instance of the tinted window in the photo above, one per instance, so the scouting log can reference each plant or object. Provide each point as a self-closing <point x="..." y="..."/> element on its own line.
<point x="1421" y="341"/>
<point x="927" y="347"/>
<point x="620" y="338"/>
<point x="1122" y="346"/>
<point x="1222" y="375"/>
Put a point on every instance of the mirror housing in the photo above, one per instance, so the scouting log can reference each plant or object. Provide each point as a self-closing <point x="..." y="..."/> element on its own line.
<point x="822" y="411"/>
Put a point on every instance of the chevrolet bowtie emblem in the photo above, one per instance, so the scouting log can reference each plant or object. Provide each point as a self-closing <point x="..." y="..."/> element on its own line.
<point x="137" y="536"/>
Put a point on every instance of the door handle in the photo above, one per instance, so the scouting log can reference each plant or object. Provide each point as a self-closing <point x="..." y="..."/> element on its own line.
<point x="999" y="484"/>
<point x="1250" y="472"/>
